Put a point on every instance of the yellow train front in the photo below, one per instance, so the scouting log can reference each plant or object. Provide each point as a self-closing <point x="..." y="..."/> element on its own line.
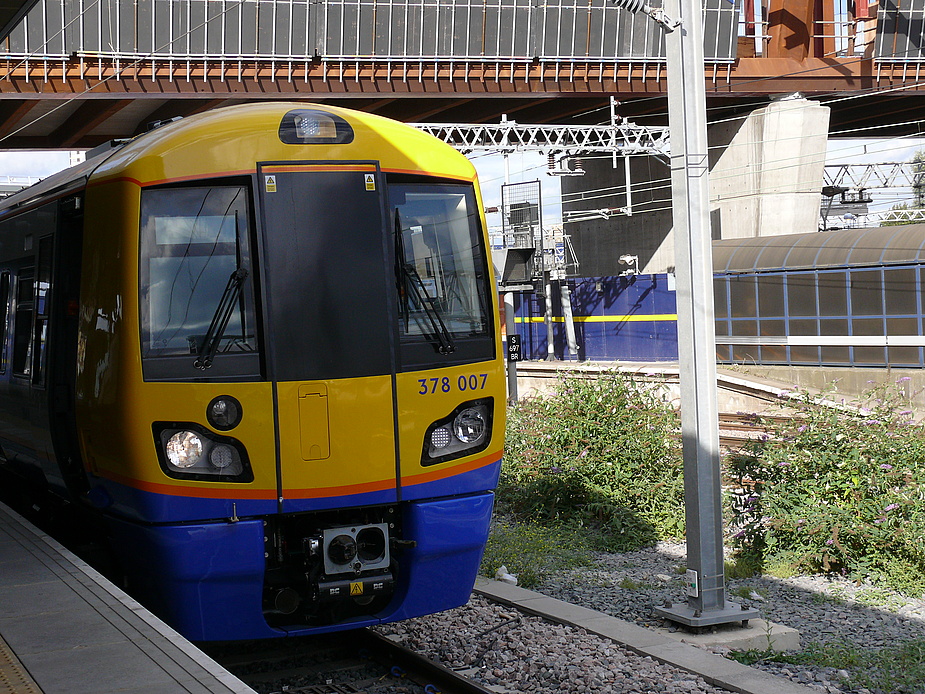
<point x="263" y="343"/>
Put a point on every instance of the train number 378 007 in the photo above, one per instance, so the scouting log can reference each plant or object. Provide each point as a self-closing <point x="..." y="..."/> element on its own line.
<point x="429" y="386"/>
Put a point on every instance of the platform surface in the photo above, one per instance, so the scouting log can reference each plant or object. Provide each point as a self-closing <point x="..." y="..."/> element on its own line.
<point x="65" y="629"/>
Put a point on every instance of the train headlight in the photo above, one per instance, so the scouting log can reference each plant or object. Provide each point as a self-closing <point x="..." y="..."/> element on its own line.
<point x="189" y="451"/>
<point x="184" y="449"/>
<point x="464" y="431"/>
<point x="440" y="437"/>
<point x="308" y="126"/>
<point x="469" y="425"/>
<point x="221" y="456"/>
<point x="224" y="412"/>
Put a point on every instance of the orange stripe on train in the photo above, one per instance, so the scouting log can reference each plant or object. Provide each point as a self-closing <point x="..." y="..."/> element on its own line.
<point x="319" y="493"/>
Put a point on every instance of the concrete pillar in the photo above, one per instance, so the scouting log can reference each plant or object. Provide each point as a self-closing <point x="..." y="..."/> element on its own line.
<point x="766" y="171"/>
<point x="765" y="179"/>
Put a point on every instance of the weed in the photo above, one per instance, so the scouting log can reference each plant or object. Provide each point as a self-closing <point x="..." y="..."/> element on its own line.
<point x="879" y="597"/>
<point x="897" y="668"/>
<point x="748" y="592"/>
<point x="742" y="566"/>
<point x="826" y="599"/>
<point x="531" y="552"/>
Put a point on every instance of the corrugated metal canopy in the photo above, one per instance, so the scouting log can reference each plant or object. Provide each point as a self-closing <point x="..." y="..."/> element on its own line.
<point x="848" y="247"/>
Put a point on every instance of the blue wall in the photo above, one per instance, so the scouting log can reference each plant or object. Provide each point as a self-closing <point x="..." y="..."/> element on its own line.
<point x="616" y="318"/>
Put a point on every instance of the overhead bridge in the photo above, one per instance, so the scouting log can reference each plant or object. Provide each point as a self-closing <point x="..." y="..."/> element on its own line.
<point x="75" y="73"/>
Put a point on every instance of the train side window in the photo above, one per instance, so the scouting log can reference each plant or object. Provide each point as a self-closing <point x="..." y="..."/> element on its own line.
<point x="195" y="265"/>
<point x="22" y="322"/>
<point x="4" y="317"/>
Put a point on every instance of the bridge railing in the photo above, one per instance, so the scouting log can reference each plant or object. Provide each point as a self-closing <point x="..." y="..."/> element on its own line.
<point x="472" y="31"/>
<point x="381" y="30"/>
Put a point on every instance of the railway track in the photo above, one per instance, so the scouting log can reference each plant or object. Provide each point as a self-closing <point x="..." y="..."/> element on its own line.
<point x="355" y="662"/>
<point x="737" y="429"/>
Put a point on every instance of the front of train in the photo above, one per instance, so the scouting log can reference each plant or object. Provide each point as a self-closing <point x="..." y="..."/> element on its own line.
<point x="290" y="386"/>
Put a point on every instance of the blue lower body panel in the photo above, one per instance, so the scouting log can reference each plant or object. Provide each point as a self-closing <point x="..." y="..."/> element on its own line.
<point x="207" y="579"/>
<point x="438" y="573"/>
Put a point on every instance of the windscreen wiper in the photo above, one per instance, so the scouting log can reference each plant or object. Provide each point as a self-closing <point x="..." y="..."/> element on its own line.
<point x="220" y="319"/>
<point x="411" y="286"/>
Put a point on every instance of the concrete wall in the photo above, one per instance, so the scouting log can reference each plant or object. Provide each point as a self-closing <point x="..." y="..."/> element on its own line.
<point x="765" y="180"/>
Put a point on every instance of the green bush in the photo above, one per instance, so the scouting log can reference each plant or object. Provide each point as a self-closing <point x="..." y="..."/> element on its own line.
<point x="838" y="491"/>
<point x="601" y="453"/>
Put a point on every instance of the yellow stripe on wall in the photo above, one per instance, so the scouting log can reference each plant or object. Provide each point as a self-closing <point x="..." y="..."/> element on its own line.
<point x="647" y="318"/>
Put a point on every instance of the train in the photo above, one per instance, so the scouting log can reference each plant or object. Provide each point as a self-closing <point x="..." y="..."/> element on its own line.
<point x="261" y="346"/>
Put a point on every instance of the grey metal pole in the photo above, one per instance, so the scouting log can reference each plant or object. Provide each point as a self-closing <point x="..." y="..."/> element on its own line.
<point x="568" y="318"/>
<point x="547" y="318"/>
<point x="706" y="603"/>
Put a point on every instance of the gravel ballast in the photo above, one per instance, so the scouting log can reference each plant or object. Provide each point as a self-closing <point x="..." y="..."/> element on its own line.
<point x="512" y="652"/>
<point x="516" y="652"/>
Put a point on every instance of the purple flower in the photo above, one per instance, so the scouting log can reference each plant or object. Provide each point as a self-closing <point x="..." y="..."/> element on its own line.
<point x="873" y="421"/>
<point x="802" y="428"/>
<point x="890" y="508"/>
<point x="555" y="470"/>
<point x="829" y="541"/>
<point x="886" y="466"/>
<point x="904" y="379"/>
<point x="783" y="463"/>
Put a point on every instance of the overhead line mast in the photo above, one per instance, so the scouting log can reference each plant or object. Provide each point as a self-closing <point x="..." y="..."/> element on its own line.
<point x="619" y="137"/>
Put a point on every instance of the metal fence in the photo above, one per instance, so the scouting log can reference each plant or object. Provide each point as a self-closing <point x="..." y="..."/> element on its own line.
<point x="382" y="30"/>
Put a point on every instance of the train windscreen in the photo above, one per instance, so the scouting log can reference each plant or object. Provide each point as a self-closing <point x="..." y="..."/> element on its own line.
<point x="443" y="288"/>
<point x="196" y="298"/>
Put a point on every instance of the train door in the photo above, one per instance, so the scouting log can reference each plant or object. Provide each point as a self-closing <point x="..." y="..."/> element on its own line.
<point x="329" y="328"/>
<point x="62" y="313"/>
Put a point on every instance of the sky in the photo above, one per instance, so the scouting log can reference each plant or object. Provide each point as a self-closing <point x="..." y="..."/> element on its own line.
<point x="36" y="164"/>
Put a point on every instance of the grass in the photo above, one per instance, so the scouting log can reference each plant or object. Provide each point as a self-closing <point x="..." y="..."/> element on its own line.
<point x="898" y="669"/>
<point x="532" y="552"/>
